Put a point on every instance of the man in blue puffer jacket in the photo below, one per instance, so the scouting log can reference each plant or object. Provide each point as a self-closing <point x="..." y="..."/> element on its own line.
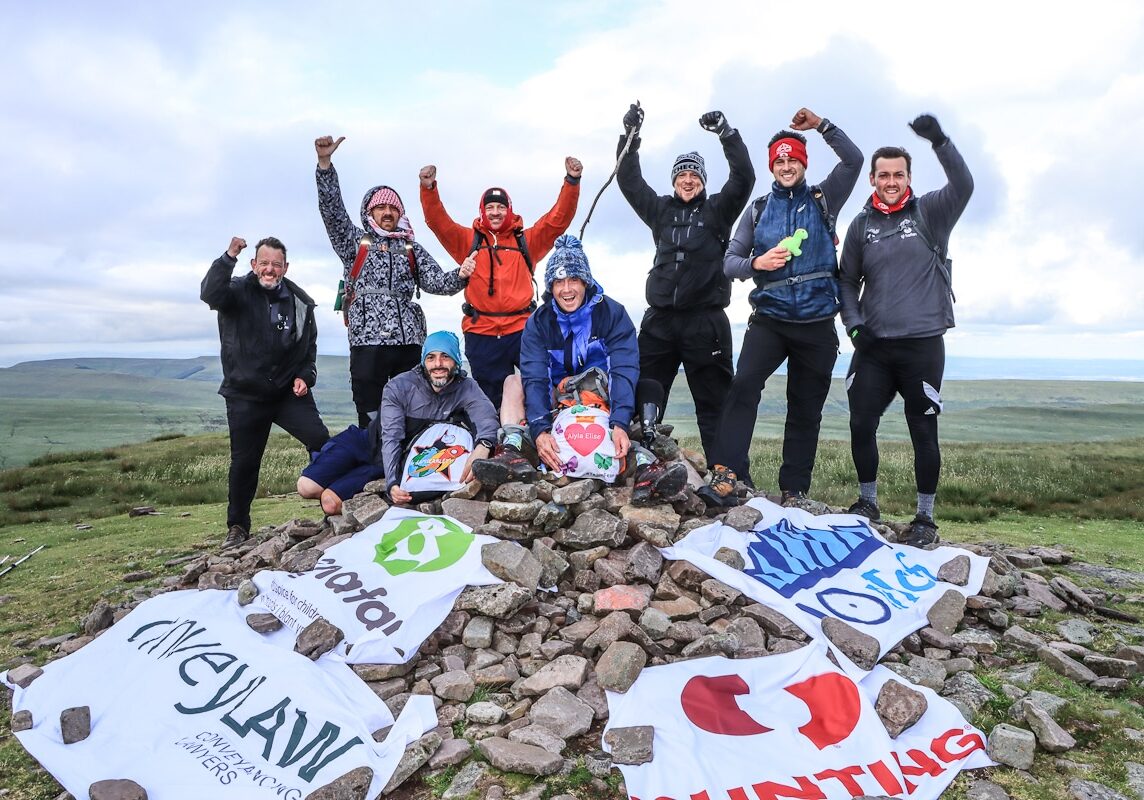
<point x="794" y="302"/>
<point x="575" y="330"/>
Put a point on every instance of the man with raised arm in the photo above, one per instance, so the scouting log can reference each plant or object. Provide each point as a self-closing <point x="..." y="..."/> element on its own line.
<point x="687" y="291"/>
<point x="498" y="255"/>
<point x="269" y="345"/>
<point x="897" y="304"/>
<point x="384" y="269"/>
<point x="785" y="243"/>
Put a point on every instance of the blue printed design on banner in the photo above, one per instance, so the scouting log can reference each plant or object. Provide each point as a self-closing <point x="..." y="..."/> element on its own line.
<point x="790" y="559"/>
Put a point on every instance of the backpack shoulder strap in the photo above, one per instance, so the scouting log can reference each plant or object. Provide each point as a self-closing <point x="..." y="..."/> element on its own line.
<point x="757" y="209"/>
<point x="413" y="269"/>
<point x="523" y="245"/>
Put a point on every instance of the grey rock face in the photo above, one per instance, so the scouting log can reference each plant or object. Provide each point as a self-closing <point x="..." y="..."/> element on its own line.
<point x="1011" y="746"/>
<point x="1076" y="631"/>
<point x="99" y="618"/>
<point x="517" y="757"/>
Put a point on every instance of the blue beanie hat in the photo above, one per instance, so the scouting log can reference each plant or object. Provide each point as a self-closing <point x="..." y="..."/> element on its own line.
<point x="567" y="261"/>
<point x="442" y="342"/>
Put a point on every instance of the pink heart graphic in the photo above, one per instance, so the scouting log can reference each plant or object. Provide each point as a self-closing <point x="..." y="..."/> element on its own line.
<point x="584" y="438"/>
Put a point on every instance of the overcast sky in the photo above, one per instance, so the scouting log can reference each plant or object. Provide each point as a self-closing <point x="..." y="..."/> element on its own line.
<point x="139" y="137"/>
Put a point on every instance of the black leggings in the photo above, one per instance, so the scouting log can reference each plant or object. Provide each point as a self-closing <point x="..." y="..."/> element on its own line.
<point x="912" y="368"/>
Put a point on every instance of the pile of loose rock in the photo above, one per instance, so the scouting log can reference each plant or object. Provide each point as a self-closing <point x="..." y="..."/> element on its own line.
<point x="518" y="672"/>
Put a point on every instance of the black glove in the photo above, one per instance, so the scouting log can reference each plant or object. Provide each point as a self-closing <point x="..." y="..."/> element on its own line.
<point x="861" y="338"/>
<point x="633" y="120"/>
<point x="926" y="127"/>
<point x="714" y="121"/>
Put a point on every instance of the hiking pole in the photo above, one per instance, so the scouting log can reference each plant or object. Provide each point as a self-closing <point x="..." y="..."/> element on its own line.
<point x="608" y="182"/>
<point x="17" y="563"/>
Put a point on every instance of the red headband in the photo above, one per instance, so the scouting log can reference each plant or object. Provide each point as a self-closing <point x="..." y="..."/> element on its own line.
<point x="790" y="148"/>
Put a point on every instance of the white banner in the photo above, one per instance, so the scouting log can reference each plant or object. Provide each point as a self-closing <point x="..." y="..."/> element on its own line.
<point x="187" y="701"/>
<point x="437" y="459"/>
<point x="584" y="443"/>
<point x="784" y="726"/>
<point x="811" y="567"/>
<point x="387" y="587"/>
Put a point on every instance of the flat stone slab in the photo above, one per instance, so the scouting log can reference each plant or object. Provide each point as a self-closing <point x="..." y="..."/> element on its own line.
<point x="512" y="756"/>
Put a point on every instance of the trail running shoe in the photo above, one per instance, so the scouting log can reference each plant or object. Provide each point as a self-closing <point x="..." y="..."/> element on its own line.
<point x="922" y="532"/>
<point x="864" y="508"/>
<point x="234" y="537"/>
<point x="659" y="481"/>
<point x="722" y="481"/>
<point x="507" y="464"/>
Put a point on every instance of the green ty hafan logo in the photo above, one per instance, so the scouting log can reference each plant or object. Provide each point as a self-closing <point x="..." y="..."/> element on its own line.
<point x="422" y="544"/>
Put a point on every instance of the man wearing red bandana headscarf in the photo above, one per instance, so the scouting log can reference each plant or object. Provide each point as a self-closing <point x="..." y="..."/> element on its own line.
<point x="497" y="255"/>
<point x="383" y="269"/>
<point x="794" y="301"/>
<point x="897" y="304"/>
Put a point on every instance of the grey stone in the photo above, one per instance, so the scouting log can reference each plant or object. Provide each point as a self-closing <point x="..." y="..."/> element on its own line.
<point x="1111" y="667"/>
<point x="985" y="790"/>
<point x="965" y="688"/>
<point x="655" y="524"/>
<point x="450" y="753"/>
<point x="479" y="632"/>
<point x="774" y="623"/>
<point x="454" y="685"/>
<point x="465" y="782"/>
<point x="552" y="516"/>
<point x="318" y="638"/>
<point x="1023" y="639"/>
<point x="415" y="756"/>
<point x="352" y="786"/>
<point x="1049" y="703"/>
<point x="512" y="756"/>
<point x="1136" y="778"/>
<point x="955" y="571"/>
<point x="75" y="724"/>
<point x="1076" y="631"/>
<point x="979" y="640"/>
<point x="514" y="512"/>
<point x="1023" y="560"/>
<point x="364" y="509"/>
<point x="509" y="531"/>
<point x="1044" y="595"/>
<point x="473" y="513"/>
<point x="749" y="633"/>
<point x="568" y="671"/>
<point x="1131" y="652"/>
<point x="538" y="736"/>
<point x="1071" y="593"/>
<point x="246" y="593"/>
<point x="552" y="564"/>
<point x="21" y="721"/>
<point x="1069" y="667"/>
<point x="654" y="623"/>
<point x="742" y="518"/>
<point x="1011" y="746"/>
<point x="731" y="557"/>
<point x="594" y="696"/>
<point x="562" y="713"/>
<point x="1050" y="736"/>
<point x="99" y="618"/>
<point x="619" y="666"/>
<point x="947" y="612"/>
<point x="713" y="644"/>
<point x="859" y="647"/>
<point x="484" y="713"/>
<point x="118" y="789"/>
<point x="500" y="601"/>
<point x="631" y="745"/>
<point x="899" y="706"/>
<point x="515" y="492"/>
<point x="24" y="674"/>
<point x="263" y="623"/>
<point x="1024" y="606"/>
<point x="644" y="563"/>
<point x="1113" y="685"/>
<point x="923" y="671"/>
<point x="575" y="492"/>
<point x="593" y="528"/>
<point x="1091" y="790"/>
<point x="718" y="592"/>
<point x="617" y="625"/>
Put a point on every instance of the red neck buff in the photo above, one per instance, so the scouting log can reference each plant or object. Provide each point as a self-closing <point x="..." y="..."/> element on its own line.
<point x="887" y="209"/>
<point x="790" y="148"/>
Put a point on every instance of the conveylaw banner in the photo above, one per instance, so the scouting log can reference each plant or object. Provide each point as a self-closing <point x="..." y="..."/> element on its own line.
<point x="387" y="587"/>
<point x="784" y="726"/>
<point x="811" y="567"/>
<point x="189" y="702"/>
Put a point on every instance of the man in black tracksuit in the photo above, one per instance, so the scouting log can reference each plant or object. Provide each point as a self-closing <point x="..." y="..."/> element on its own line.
<point x="269" y="344"/>
<point x="794" y="301"/>
<point x="686" y="288"/>
<point x="895" y="256"/>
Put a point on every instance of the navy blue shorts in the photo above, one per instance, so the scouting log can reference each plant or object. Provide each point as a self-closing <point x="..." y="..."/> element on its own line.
<point x="343" y="465"/>
<point x="491" y="360"/>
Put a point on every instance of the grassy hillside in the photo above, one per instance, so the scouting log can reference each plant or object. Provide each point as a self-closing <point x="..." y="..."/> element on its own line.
<point x="65" y="405"/>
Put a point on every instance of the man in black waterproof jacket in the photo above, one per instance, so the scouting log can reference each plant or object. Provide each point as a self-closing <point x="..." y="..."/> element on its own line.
<point x="687" y="291"/>
<point x="269" y="344"/>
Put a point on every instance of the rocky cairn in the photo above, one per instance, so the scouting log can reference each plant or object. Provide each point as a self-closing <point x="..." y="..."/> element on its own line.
<point x="518" y="671"/>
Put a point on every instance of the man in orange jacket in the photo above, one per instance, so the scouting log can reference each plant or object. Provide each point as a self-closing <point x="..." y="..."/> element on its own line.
<point x="499" y="256"/>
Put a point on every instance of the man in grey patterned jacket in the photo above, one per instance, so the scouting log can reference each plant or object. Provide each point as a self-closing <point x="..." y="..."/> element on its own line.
<point x="384" y="269"/>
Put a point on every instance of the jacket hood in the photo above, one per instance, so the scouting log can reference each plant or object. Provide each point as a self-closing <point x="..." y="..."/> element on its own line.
<point x="512" y="223"/>
<point x="367" y="222"/>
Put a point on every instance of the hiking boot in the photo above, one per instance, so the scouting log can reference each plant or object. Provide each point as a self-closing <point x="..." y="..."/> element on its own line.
<point x="507" y="464"/>
<point x="864" y="508"/>
<point x="712" y="500"/>
<point x="922" y="532"/>
<point x="234" y="537"/>
<point x="722" y="481"/>
<point x="659" y="481"/>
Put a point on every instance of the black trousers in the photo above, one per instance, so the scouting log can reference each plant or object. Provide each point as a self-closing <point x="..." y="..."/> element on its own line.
<point x="371" y="367"/>
<point x="810" y="350"/>
<point x="701" y="341"/>
<point x="912" y="368"/>
<point x="491" y="360"/>
<point x="249" y="422"/>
